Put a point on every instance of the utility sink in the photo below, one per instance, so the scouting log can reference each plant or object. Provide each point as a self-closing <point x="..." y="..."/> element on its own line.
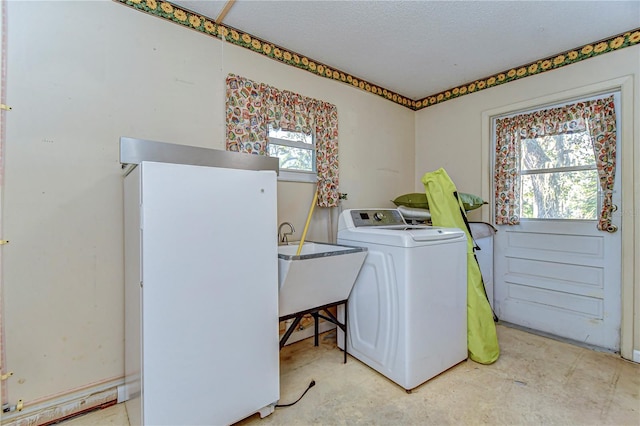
<point x="322" y="274"/>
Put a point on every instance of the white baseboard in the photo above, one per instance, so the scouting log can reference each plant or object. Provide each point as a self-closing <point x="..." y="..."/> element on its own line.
<point x="64" y="406"/>
<point x="123" y="393"/>
<point x="636" y="356"/>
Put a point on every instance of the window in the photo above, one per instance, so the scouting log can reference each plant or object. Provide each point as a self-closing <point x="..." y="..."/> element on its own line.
<point x="559" y="177"/>
<point x="251" y="106"/>
<point x="296" y="152"/>
<point x="557" y="162"/>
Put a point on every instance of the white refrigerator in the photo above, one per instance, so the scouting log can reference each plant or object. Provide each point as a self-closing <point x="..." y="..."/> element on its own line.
<point x="201" y="294"/>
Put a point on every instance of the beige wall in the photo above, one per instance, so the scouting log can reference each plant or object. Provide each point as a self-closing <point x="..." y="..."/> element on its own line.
<point x="455" y="135"/>
<point x="82" y="74"/>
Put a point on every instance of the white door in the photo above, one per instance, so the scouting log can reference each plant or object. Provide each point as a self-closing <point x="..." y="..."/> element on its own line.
<point x="562" y="276"/>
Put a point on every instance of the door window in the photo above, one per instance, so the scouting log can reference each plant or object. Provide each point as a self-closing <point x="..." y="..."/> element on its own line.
<point x="559" y="177"/>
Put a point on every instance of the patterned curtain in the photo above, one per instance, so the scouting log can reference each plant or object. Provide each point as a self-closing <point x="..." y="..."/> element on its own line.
<point x="326" y="122"/>
<point x="246" y="114"/>
<point x="252" y="106"/>
<point x="600" y="115"/>
<point x="596" y="116"/>
<point x="507" y="172"/>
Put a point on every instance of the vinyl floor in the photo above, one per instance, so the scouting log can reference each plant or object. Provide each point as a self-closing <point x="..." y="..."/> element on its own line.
<point x="536" y="381"/>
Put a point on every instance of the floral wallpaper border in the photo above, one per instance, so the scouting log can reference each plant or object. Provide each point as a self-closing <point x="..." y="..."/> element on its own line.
<point x="205" y="25"/>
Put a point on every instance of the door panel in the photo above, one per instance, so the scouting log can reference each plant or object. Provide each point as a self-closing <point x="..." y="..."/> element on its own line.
<point x="560" y="277"/>
<point x="568" y="245"/>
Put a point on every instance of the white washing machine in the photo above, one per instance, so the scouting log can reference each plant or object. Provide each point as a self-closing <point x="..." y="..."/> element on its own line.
<point x="408" y="307"/>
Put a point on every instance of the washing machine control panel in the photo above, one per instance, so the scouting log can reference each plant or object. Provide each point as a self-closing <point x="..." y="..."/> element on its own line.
<point x="380" y="217"/>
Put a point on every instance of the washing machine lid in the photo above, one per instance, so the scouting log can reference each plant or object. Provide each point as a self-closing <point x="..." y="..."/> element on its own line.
<point x="387" y="226"/>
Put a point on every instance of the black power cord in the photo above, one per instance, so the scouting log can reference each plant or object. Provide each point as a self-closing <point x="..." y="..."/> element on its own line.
<point x="312" y="384"/>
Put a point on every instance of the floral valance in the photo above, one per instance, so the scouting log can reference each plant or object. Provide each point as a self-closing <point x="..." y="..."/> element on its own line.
<point x="550" y="122"/>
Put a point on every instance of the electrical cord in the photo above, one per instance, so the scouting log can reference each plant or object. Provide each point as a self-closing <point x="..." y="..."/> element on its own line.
<point x="312" y="384"/>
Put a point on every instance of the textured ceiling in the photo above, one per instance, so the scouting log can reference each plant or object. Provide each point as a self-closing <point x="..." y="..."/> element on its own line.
<point x="419" y="48"/>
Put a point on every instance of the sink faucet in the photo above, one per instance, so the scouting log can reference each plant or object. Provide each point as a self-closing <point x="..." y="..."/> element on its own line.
<point x="282" y="236"/>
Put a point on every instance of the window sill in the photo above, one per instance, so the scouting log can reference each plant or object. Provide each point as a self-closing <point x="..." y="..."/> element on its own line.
<point x="292" y="176"/>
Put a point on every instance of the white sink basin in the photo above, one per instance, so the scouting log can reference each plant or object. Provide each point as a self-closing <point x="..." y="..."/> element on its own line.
<point x="322" y="274"/>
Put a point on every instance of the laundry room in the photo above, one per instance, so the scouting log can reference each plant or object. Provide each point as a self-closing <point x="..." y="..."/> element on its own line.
<point x="79" y="76"/>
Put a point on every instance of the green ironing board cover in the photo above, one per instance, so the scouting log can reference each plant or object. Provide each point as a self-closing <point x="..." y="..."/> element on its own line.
<point x="447" y="211"/>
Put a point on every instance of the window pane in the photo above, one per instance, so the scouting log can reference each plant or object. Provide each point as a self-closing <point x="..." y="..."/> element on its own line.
<point x="562" y="195"/>
<point x="565" y="150"/>
<point x="290" y="136"/>
<point x="292" y="158"/>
